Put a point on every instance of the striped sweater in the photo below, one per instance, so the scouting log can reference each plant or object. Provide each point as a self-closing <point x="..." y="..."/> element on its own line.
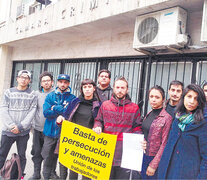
<point x="17" y="108"/>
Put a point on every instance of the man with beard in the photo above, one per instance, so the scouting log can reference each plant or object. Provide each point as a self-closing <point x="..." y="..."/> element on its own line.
<point x="117" y="116"/>
<point x="55" y="104"/>
<point x="104" y="89"/>
<point x="175" y="92"/>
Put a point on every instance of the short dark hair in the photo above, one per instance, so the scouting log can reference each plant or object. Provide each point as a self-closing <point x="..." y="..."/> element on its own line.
<point x="89" y="81"/>
<point x="204" y="84"/>
<point x="106" y="71"/>
<point x="176" y="82"/>
<point x="160" y="89"/>
<point x="198" y="115"/>
<point x="121" y="79"/>
<point x="46" y="73"/>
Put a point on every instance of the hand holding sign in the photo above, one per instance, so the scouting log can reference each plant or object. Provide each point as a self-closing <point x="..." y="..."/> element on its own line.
<point x="86" y="152"/>
<point x="98" y="130"/>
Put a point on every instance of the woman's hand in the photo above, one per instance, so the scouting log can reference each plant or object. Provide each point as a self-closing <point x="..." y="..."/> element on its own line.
<point x="150" y="171"/>
<point x="144" y="145"/>
<point x="60" y="119"/>
<point x="98" y="130"/>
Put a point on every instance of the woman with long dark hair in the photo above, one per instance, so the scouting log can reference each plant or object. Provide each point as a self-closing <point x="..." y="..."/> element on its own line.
<point x="185" y="154"/>
<point x="155" y="126"/>
<point x="82" y="110"/>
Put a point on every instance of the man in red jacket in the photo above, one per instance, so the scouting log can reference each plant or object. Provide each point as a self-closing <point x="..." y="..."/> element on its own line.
<point x="117" y="116"/>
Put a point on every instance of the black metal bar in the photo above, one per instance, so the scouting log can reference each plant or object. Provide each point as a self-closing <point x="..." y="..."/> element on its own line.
<point x="162" y="73"/>
<point x="193" y="76"/>
<point x="143" y="65"/>
<point x="176" y="70"/>
<point x="201" y="70"/>
<point x="62" y="67"/>
<point x="168" y="78"/>
<point x="133" y="78"/>
<point x="155" y="73"/>
<point x="46" y="66"/>
<point x="103" y="64"/>
<point x="96" y="72"/>
<point x="148" y="84"/>
<point x="13" y="78"/>
<point x="184" y="71"/>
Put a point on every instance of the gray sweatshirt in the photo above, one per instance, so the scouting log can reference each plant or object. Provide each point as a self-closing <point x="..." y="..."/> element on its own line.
<point x="39" y="120"/>
<point x="17" y="108"/>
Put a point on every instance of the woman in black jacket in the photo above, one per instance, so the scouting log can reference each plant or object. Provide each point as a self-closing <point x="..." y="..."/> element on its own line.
<point x="82" y="111"/>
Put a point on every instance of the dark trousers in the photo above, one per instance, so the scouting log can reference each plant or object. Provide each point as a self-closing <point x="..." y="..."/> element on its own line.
<point x="50" y="159"/>
<point x="119" y="173"/>
<point x="6" y="143"/>
<point x="38" y="141"/>
<point x="145" y="164"/>
<point x="63" y="171"/>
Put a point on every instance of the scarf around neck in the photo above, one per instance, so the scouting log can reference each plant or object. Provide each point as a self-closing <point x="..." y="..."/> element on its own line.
<point x="184" y="119"/>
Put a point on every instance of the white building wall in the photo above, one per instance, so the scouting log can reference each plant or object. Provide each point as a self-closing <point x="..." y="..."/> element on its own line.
<point x="5" y="68"/>
<point x="91" y="30"/>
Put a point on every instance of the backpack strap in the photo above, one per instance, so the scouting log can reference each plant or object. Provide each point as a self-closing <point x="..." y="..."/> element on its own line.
<point x="17" y="159"/>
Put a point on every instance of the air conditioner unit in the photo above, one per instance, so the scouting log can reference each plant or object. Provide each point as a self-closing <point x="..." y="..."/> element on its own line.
<point x="161" y="29"/>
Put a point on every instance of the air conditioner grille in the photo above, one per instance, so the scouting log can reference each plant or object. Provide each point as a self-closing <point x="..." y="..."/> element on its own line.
<point x="148" y="30"/>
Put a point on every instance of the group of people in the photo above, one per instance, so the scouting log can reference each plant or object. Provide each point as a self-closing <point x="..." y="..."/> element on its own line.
<point x="175" y="135"/>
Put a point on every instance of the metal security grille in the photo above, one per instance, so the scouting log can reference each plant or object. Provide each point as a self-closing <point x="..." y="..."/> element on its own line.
<point x="163" y="71"/>
<point x="79" y="71"/>
<point x="141" y="72"/>
<point x="131" y="70"/>
<point x="201" y="72"/>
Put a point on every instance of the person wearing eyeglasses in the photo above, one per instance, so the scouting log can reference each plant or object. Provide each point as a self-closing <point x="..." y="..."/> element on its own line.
<point x="17" y="111"/>
<point x="46" y="81"/>
<point x="104" y="89"/>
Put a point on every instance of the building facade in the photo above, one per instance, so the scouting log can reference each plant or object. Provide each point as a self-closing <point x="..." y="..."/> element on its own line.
<point x="81" y="37"/>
